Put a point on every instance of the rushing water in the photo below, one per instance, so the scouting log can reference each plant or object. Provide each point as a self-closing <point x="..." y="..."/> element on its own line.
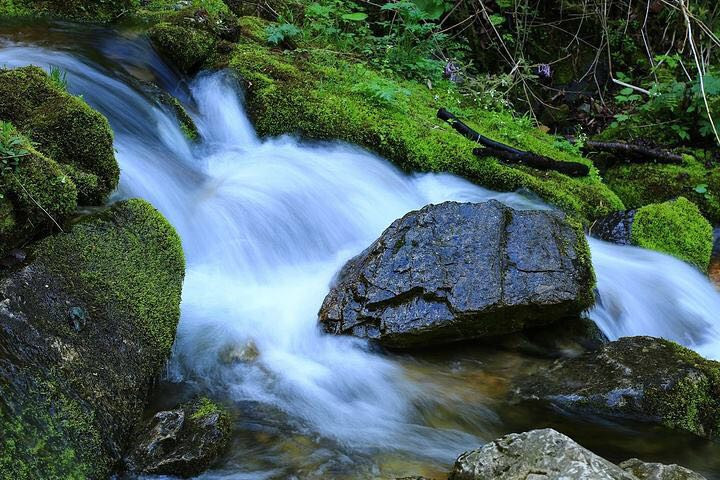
<point x="266" y="224"/>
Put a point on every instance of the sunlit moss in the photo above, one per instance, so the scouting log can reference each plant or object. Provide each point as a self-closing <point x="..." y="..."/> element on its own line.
<point x="314" y="93"/>
<point x="676" y="227"/>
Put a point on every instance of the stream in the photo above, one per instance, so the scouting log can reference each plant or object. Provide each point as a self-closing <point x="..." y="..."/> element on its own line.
<point x="266" y="223"/>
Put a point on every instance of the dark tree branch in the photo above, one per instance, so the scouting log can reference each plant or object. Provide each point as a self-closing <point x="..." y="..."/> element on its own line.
<point x="630" y="152"/>
<point x="509" y="154"/>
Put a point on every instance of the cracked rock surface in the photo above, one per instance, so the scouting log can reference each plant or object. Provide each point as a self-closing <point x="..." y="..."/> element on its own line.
<point x="458" y="271"/>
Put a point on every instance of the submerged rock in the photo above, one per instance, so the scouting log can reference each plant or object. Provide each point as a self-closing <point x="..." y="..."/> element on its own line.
<point x="182" y="442"/>
<point x="86" y="325"/>
<point x="658" y="471"/>
<point x="457" y="271"/>
<point x="641" y="378"/>
<point x="537" y="454"/>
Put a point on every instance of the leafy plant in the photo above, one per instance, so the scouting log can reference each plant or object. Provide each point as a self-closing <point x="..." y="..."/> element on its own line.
<point x="59" y="78"/>
<point x="281" y="32"/>
<point x="384" y="92"/>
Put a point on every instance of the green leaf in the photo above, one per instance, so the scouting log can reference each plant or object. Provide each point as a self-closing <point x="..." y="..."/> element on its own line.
<point x="355" y="17"/>
<point x="701" y="189"/>
<point x="496" y="19"/>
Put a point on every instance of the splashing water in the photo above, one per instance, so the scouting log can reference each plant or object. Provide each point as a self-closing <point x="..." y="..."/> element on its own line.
<point x="266" y="224"/>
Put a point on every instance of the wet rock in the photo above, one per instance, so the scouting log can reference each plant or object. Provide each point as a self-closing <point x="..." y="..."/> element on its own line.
<point x="182" y="442"/>
<point x="537" y="455"/>
<point x="614" y="228"/>
<point x="239" y="353"/>
<point x="641" y="378"/>
<point x="658" y="471"/>
<point x="457" y="271"/>
<point x="86" y="326"/>
<point x="675" y="227"/>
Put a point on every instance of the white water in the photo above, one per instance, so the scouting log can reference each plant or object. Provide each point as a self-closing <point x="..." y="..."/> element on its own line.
<point x="266" y="224"/>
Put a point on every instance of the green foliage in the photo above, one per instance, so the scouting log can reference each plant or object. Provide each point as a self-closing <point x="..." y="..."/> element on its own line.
<point x="384" y="92"/>
<point x="278" y="33"/>
<point x="59" y="78"/>
<point x="676" y="227"/>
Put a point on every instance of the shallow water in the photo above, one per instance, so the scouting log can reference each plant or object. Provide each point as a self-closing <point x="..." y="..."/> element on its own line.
<point x="266" y="224"/>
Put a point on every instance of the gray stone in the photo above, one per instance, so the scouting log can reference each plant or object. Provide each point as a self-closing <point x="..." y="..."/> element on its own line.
<point x="658" y="471"/>
<point x="535" y="455"/>
<point x="457" y="271"/>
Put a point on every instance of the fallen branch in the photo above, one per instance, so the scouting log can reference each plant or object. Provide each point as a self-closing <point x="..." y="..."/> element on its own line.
<point x="509" y="154"/>
<point x="630" y="152"/>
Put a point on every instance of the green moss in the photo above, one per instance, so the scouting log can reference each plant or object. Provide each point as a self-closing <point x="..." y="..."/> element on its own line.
<point x="187" y="125"/>
<point x="314" y="93"/>
<point x="692" y="403"/>
<point x="87" y="327"/>
<point x="642" y="184"/>
<point x="185" y="47"/>
<point x="101" y="257"/>
<point x="36" y="196"/>
<point x="62" y="126"/>
<point x="87" y="10"/>
<point x="203" y="407"/>
<point x="677" y="228"/>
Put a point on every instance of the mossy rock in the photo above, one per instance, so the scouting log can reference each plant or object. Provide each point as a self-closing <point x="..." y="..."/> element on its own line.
<point x="63" y="127"/>
<point x="187" y="125"/>
<point x="182" y="442"/>
<point x="36" y="197"/>
<point x="638" y="185"/>
<point x="636" y="378"/>
<point x="320" y="96"/>
<point x="676" y="227"/>
<point x="187" y="48"/>
<point x="88" y="323"/>
<point x="82" y="10"/>
<point x="71" y="160"/>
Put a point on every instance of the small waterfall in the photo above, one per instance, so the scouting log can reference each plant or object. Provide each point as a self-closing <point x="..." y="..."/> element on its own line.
<point x="266" y="224"/>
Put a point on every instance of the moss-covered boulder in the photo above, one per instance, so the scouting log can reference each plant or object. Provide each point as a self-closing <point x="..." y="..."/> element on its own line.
<point x="182" y="442"/>
<point x="70" y="159"/>
<point x="190" y="37"/>
<point x="639" y="378"/>
<point x="676" y="227"/>
<point x="638" y="185"/>
<point x="321" y="96"/>
<point x="62" y="127"/>
<point x="86" y="325"/>
<point x="35" y="195"/>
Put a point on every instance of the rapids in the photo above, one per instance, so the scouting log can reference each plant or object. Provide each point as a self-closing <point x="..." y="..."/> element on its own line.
<point x="266" y="223"/>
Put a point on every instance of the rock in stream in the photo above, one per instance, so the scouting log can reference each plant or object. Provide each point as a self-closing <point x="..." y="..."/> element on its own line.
<point x="458" y="271"/>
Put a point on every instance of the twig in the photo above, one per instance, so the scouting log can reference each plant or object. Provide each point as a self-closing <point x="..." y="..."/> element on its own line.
<point x="627" y="85"/>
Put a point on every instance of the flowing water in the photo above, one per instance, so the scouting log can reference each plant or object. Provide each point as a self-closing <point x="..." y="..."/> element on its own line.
<point x="266" y="224"/>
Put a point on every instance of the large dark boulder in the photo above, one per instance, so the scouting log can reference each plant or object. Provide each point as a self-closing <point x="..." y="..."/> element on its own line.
<point x="182" y="442"/>
<point x="457" y="271"/>
<point x="640" y="378"/>
<point x="87" y="322"/>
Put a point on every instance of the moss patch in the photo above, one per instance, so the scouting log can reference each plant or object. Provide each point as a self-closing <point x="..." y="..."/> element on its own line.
<point x="185" y="47"/>
<point x="62" y="126"/>
<point x="642" y="184"/>
<point x="319" y="95"/>
<point x="96" y="10"/>
<point x="88" y="324"/>
<point x="677" y="228"/>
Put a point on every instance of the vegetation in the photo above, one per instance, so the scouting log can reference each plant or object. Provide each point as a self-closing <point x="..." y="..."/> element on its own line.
<point x="676" y="227"/>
